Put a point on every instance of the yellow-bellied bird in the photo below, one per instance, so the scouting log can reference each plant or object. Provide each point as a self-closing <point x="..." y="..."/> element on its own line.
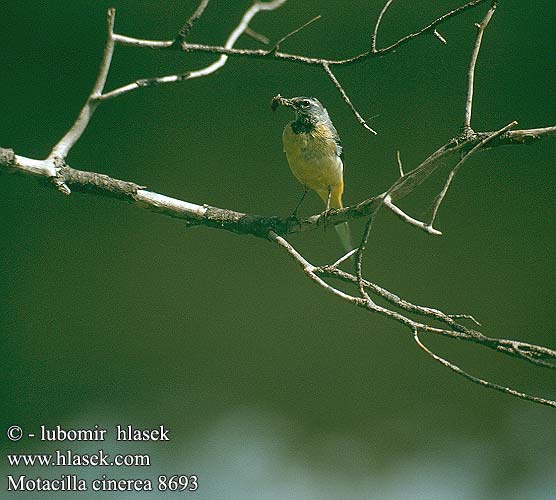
<point x="313" y="149"/>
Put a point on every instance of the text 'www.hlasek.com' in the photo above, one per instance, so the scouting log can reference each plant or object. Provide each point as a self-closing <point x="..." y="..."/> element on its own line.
<point x="44" y="480"/>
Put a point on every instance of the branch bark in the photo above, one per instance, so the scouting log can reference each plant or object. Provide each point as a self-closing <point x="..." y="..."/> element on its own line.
<point x="221" y="218"/>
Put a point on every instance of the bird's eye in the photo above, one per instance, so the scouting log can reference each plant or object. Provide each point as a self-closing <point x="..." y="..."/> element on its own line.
<point x="305" y="103"/>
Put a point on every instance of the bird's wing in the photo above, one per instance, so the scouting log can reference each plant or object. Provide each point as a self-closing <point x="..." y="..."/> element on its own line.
<point x="339" y="148"/>
<point x="336" y="137"/>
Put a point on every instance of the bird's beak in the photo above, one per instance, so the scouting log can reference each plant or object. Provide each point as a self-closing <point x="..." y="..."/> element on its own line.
<point x="278" y="100"/>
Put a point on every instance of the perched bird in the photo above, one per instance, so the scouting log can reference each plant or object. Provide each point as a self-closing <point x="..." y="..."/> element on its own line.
<point x="313" y="149"/>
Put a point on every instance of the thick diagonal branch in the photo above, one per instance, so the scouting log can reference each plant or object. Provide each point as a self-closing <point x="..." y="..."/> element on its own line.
<point x="239" y="222"/>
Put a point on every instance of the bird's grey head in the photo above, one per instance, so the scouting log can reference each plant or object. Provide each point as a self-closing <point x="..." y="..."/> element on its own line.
<point x="303" y="106"/>
<point x="307" y="109"/>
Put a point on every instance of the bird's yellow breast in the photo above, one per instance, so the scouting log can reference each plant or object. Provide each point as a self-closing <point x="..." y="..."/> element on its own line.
<point x="313" y="158"/>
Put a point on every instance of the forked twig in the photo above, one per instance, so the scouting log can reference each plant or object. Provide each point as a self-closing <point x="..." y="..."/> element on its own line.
<point x="274" y="52"/>
<point x="431" y="27"/>
<point x="313" y="273"/>
<point x="454" y="171"/>
<point x="240" y="29"/>
<point x="61" y="150"/>
<point x="65" y="144"/>
<point x="377" y="24"/>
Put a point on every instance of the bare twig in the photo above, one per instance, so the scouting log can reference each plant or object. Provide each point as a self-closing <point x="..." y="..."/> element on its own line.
<point x="145" y="82"/>
<point x="424" y="30"/>
<point x="377" y="25"/>
<point x="307" y="267"/>
<point x="361" y="249"/>
<point x="65" y="144"/>
<point x="538" y="355"/>
<point x="440" y="37"/>
<point x="257" y="36"/>
<point x="313" y="273"/>
<point x="425" y="226"/>
<point x="429" y="27"/>
<point x="409" y="182"/>
<point x="346" y="98"/>
<point x="521" y="136"/>
<point x="471" y="75"/>
<point x="250" y="13"/>
<point x="130" y="41"/>
<point x="452" y="174"/>
<point x="264" y="53"/>
<point x="399" y="160"/>
<point x="343" y="258"/>
<point x="274" y="52"/>
<point x="465" y="316"/>
<point x="189" y="75"/>
<point x="186" y="28"/>
<point x="276" y="46"/>
<point x="430" y="164"/>
<point x="480" y="381"/>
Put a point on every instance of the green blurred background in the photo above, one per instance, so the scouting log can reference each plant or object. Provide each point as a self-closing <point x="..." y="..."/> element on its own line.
<point x="272" y="388"/>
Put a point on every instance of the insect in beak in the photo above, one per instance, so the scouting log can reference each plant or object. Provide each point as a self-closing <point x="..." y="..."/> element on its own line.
<point x="278" y="100"/>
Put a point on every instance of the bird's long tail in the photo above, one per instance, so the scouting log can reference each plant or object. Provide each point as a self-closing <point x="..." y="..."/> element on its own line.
<point x="343" y="231"/>
<point x="344" y="234"/>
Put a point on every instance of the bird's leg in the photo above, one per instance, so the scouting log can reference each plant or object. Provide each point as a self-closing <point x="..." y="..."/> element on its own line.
<point x="326" y="212"/>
